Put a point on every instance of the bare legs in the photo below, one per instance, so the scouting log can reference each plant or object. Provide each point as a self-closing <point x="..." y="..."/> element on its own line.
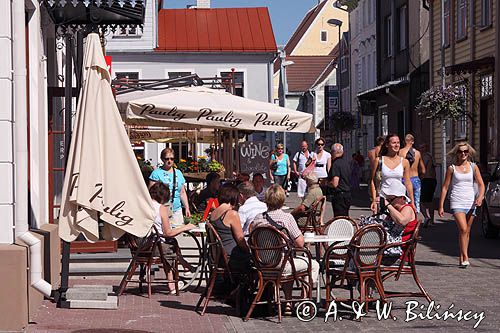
<point x="464" y="224"/>
<point x="427" y="210"/>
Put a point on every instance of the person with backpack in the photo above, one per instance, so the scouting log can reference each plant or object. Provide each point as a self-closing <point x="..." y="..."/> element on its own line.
<point x="463" y="175"/>
<point x="416" y="164"/>
<point x="301" y="160"/>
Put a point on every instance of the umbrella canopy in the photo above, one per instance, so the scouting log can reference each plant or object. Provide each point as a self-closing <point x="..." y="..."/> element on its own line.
<point x="102" y="179"/>
<point x="213" y="108"/>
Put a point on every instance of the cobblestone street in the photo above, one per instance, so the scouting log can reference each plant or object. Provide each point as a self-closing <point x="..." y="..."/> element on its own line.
<point x="473" y="289"/>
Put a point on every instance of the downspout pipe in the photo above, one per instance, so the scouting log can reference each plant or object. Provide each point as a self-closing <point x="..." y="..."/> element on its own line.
<point x="21" y="150"/>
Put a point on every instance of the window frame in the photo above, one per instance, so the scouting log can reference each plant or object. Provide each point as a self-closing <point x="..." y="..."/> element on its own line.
<point x="462" y="15"/>
<point x="389" y="36"/>
<point x="486" y="17"/>
<point x="446" y="22"/>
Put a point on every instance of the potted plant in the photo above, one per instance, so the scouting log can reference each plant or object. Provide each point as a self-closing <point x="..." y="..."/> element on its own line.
<point x="442" y="103"/>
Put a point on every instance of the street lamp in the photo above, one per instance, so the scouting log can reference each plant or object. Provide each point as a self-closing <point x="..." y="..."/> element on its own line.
<point x="284" y="84"/>
<point x="338" y="23"/>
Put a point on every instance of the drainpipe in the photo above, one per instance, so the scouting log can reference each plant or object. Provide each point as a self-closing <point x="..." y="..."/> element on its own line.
<point x="21" y="150"/>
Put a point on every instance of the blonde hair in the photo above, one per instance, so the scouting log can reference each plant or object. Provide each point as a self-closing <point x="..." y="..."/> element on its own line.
<point x="275" y="197"/>
<point x="454" y="151"/>
<point x="409" y="137"/>
<point x="311" y="178"/>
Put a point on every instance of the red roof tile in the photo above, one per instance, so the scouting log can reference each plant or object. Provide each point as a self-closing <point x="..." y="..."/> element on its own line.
<point x="307" y="71"/>
<point x="216" y="30"/>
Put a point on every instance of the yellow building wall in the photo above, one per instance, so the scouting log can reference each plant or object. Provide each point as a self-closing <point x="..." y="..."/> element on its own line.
<point x="311" y="43"/>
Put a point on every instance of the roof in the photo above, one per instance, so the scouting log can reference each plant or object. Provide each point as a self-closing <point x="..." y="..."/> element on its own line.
<point x="306" y="22"/>
<point x="307" y="71"/>
<point x="216" y="30"/>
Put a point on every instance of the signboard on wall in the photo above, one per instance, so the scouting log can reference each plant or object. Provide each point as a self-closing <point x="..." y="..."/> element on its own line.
<point x="254" y="156"/>
<point x="331" y="100"/>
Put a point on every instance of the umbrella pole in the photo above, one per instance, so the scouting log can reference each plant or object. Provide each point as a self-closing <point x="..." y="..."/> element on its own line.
<point x="237" y="151"/>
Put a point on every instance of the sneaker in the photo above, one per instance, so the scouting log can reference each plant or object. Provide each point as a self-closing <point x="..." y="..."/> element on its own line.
<point x="187" y="274"/>
<point x="181" y="285"/>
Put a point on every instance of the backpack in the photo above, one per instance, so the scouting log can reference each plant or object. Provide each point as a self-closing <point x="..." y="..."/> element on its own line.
<point x="410" y="155"/>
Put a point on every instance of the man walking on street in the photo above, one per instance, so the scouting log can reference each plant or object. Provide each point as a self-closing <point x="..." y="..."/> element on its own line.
<point x="300" y="159"/>
<point x="415" y="159"/>
<point x="339" y="182"/>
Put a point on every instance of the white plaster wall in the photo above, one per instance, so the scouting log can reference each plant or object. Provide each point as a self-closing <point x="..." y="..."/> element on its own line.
<point x="363" y="44"/>
<point x="6" y="126"/>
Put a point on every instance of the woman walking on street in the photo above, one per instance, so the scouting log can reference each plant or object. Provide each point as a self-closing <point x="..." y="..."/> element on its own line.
<point x="462" y="175"/>
<point x="279" y="167"/>
<point x="323" y="163"/>
<point x="394" y="171"/>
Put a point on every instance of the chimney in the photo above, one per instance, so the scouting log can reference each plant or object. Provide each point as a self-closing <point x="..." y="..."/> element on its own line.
<point x="202" y="3"/>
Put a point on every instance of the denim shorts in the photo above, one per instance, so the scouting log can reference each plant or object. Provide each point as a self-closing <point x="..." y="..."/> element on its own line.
<point x="466" y="211"/>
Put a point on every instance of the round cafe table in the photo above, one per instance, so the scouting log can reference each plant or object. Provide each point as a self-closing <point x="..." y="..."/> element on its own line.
<point x="317" y="240"/>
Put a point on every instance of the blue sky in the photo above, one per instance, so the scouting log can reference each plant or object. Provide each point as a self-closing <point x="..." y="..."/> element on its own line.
<point x="285" y="14"/>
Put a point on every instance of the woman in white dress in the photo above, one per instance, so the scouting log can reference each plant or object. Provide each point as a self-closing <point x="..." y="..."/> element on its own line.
<point x="462" y="175"/>
<point x="395" y="173"/>
<point x="323" y="160"/>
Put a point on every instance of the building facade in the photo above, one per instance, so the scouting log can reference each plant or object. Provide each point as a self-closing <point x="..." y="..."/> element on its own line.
<point x="464" y="41"/>
<point x="169" y="47"/>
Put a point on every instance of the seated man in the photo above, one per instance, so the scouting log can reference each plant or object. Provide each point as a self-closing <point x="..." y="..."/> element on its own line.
<point x="313" y="193"/>
<point x="275" y="199"/>
<point x="213" y="184"/>
<point x="250" y="205"/>
<point x="258" y="183"/>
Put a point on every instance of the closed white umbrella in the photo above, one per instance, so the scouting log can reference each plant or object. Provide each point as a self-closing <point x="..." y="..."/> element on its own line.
<point x="213" y="108"/>
<point x="102" y="178"/>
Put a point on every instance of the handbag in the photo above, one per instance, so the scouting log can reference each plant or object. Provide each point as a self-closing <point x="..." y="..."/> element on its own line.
<point x="274" y="165"/>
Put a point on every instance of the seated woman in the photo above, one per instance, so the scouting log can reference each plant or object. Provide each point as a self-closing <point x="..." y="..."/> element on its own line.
<point x="213" y="184"/>
<point x="160" y="193"/>
<point x="226" y="221"/>
<point x="404" y="216"/>
<point x="275" y="199"/>
<point x="314" y="192"/>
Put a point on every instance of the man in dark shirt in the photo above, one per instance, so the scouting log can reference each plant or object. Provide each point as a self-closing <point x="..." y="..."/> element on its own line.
<point x="339" y="182"/>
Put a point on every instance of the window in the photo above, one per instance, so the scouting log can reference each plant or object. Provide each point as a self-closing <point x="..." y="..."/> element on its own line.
<point x="127" y="75"/>
<point x="369" y="71"/>
<point x="384" y="120"/>
<point x="446" y="22"/>
<point x="127" y="31"/>
<point x="486" y="9"/>
<point x="388" y="36"/>
<point x="324" y="35"/>
<point x="173" y="75"/>
<point x="365" y="14"/>
<point x="363" y="73"/>
<point x="239" y="80"/>
<point x="487" y="86"/>
<point x="402" y="27"/>
<point x="370" y="18"/>
<point x="461" y="19"/>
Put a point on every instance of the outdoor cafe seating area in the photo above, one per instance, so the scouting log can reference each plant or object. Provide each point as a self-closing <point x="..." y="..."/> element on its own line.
<point x="350" y="257"/>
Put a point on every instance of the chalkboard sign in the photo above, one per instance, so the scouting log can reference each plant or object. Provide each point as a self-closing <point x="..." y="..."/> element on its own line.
<point x="254" y="157"/>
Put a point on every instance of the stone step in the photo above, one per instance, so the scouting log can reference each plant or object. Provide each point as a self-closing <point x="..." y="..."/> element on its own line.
<point x="111" y="303"/>
<point x="122" y="255"/>
<point x="94" y="294"/>
<point x="106" y="287"/>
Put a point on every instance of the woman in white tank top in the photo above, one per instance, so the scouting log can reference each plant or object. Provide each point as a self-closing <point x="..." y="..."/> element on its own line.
<point x="395" y="173"/>
<point x="462" y="175"/>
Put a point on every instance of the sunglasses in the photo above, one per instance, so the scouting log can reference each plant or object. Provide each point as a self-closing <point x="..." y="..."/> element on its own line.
<point x="168" y="158"/>
<point x="463" y="151"/>
<point x="320" y="144"/>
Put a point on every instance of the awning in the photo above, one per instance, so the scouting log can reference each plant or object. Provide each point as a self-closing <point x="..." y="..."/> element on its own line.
<point x="373" y="92"/>
<point x="104" y="13"/>
<point x="470" y="66"/>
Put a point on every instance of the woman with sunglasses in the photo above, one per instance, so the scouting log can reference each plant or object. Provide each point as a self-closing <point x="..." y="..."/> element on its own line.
<point x="175" y="180"/>
<point x="279" y="167"/>
<point x="323" y="161"/>
<point x="462" y="175"/>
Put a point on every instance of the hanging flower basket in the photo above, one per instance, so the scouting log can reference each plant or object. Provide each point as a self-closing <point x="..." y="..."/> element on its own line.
<point x="441" y="103"/>
<point x="342" y="122"/>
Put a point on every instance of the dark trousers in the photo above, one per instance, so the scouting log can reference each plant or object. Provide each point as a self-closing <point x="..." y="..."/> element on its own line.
<point x="341" y="202"/>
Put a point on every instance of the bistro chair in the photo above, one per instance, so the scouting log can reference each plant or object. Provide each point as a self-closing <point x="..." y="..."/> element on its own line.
<point x="271" y="251"/>
<point x="362" y="259"/>
<point x="147" y="252"/>
<point x="218" y="264"/>
<point x="406" y="265"/>
<point x="312" y="218"/>
<point x="339" y="227"/>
